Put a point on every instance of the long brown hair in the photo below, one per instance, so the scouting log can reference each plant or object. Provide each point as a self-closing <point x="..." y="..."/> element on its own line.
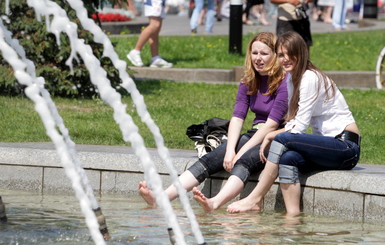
<point x="298" y="52"/>
<point x="251" y="78"/>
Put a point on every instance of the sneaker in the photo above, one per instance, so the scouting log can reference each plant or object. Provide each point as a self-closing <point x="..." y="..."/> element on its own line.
<point x="134" y="57"/>
<point x="160" y="63"/>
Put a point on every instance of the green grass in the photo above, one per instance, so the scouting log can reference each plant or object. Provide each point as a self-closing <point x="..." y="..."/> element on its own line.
<point x="339" y="51"/>
<point x="173" y="106"/>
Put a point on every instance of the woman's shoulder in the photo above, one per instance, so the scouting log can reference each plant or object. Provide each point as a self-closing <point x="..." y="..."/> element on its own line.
<point x="310" y="74"/>
<point x="310" y="79"/>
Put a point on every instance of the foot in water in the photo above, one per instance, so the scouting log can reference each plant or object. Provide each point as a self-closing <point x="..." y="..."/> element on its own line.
<point x="147" y="194"/>
<point x="244" y="205"/>
<point x="203" y="200"/>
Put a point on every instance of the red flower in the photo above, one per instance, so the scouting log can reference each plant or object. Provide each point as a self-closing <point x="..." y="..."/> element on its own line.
<point x="110" y="17"/>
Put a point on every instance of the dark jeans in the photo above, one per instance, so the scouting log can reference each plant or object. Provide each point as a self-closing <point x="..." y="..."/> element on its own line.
<point x="212" y="162"/>
<point x="306" y="152"/>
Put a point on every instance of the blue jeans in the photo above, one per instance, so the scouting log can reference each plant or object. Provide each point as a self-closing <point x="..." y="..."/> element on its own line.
<point x="212" y="162"/>
<point x="307" y="152"/>
<point x="339" y="14"/>
<point x="210" y="15"/>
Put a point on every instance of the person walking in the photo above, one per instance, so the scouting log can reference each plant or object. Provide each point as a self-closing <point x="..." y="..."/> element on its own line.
<point x="315" y="101"/>
<point x="339" y="15"/>
<point x="327" y="9"/>
<point x="154" y="10"/>
<point x="292" y="16"/>
<point x="210" y="16"/>
<point x="263" y="91"/>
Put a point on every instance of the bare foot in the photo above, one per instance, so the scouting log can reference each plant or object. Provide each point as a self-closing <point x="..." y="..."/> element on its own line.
<point x="265" y="23"/>
<point x="203" y="201"/>
<point x="146" y="194"/>
<point x="244" y="205"/>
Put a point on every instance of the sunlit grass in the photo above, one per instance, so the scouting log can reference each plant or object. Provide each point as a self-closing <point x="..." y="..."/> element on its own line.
<point x="338" y="51"/>
<point x="173" y="106"/>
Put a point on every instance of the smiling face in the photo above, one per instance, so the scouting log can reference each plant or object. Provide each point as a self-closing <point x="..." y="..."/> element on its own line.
<point x="285" y="61"/>
<point x="261" y="57"/>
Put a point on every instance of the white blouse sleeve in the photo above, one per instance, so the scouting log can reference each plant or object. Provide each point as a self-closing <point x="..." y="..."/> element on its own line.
<point x="308" y="97"/>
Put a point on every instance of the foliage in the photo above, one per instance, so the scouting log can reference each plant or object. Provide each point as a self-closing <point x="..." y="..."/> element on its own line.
<point x="50" y="58"/>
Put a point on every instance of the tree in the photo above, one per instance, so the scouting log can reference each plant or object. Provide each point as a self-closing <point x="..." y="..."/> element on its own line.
<point x="41" y="47"/>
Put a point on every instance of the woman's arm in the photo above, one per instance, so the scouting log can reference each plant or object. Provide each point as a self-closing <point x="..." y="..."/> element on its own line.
<point x="234" y="132"/>
<point x="258" y="137"/>
<point x="266" y="143"/>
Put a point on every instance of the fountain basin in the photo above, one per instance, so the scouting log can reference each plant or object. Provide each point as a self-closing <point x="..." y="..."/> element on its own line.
<point x="356" y="195"/>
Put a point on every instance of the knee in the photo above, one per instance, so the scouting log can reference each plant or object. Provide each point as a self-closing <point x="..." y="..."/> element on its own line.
<point x="199" y="171"/>
<point x="282" y="138"/>
<point x="241" y="171"/>
<point x="288" y="174"/>
<point x="288" y="167"/>
<point x="275" y="152"/>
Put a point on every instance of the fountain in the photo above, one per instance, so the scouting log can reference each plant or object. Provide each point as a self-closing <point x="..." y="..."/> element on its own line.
<point x="58" y="22"/>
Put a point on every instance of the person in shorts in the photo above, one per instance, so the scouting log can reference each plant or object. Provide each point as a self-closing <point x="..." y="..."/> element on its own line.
<point x="154" y="10"/>
<point x="291" y="17"/>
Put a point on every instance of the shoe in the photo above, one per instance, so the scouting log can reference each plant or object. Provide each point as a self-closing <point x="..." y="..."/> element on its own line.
<point x="134" y="57"/>
<point x="194" y="31"/>
<point x="160" y="63"/>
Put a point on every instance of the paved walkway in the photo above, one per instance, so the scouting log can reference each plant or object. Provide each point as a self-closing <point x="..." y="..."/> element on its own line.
<point x="174" y="25"/>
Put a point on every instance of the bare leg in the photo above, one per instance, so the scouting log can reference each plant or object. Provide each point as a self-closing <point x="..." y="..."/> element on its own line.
<point x="231" y="189"/>
<point x="328" y="14"/>
<point x="187" y="180"/>
<point x="261" y="14"/>
<point x="253" y="202"/>
<point x="291" y="195"/>
<point x="151" y="34"/>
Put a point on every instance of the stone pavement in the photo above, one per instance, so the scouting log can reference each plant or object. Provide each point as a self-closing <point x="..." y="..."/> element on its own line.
<point x="174" y="25"/>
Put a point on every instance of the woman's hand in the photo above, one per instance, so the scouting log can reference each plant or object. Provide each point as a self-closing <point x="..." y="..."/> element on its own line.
<point x="228" y="161"/>
<point x="266" y="145"/>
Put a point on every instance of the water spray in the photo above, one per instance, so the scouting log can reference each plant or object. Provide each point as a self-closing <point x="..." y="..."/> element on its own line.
<point x="129" y="85"/>
<point x="33" y="90"/>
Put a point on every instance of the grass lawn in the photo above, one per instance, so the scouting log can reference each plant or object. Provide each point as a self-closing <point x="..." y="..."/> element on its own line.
<point x="175" y="106"/>
<point x="338" y="51"/>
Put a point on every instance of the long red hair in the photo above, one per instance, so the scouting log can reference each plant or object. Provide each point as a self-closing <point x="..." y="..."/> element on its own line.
<point x="251" y="78"/>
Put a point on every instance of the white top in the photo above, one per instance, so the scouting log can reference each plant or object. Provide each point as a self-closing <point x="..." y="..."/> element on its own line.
<point x="327" y="117"/>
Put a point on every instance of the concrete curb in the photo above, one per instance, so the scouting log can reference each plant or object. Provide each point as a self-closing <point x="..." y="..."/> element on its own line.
<point x="343" y="79"/>
<point x="356" y="195"/>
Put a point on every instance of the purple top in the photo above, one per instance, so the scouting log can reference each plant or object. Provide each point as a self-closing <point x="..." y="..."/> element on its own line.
<point x="263" y="106"/>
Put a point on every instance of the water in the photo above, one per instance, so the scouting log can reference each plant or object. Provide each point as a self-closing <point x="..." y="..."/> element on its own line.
<point x="57" y="21"/>
<point x="57" y="219"/>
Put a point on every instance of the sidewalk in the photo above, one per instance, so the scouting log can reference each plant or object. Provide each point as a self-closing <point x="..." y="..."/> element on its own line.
<point x="174" y="25"/>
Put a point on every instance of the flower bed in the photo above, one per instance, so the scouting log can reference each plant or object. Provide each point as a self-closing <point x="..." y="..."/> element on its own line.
<point x="110" y="17"/>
